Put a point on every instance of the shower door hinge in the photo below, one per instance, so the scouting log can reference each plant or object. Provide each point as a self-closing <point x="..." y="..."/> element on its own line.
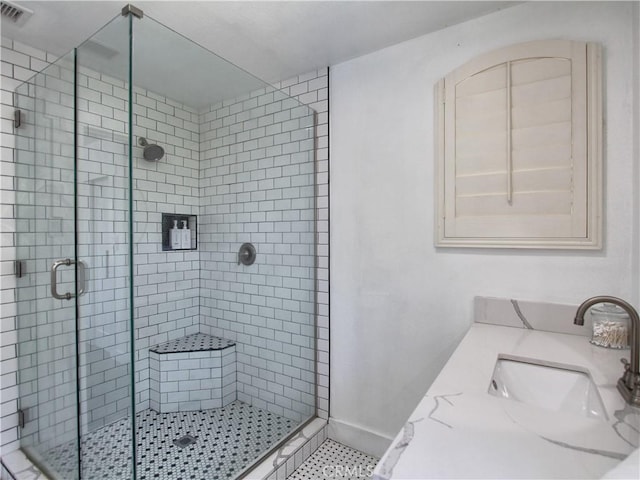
<point x="17" y="118"/>
<point x="21" y="418"/>
<point x="19" y="268"/>
<point x="130" y="9"/>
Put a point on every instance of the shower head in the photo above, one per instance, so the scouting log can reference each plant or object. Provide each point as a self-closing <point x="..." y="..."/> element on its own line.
<point x="151" y="152"/>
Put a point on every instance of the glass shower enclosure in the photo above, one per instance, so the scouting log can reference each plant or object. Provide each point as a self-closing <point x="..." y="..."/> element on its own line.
<point x="165" y="204"/>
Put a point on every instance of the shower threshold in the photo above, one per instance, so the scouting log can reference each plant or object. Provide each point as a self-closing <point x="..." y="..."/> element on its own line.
<point x="222" y="442"/>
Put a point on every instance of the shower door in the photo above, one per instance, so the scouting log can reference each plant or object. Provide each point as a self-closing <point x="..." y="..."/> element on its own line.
<point x="72" y="237"/>
<point x="45" y="236"/>
<point x="99" y="292"/>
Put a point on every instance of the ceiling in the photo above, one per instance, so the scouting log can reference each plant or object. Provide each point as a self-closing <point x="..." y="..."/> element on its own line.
<point x="272" y="40"/>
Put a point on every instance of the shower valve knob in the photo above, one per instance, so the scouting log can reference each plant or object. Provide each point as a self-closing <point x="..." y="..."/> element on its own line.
<point x="246" y="254"/>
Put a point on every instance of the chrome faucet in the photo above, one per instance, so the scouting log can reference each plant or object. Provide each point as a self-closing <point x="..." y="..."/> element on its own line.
<point x="629" y="383"/>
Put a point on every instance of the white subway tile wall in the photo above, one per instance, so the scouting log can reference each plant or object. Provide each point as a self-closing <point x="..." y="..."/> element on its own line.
<point x="102" y="183"/>
<point x="166" y="283"/>
<point x="45" y="210"/>
<point x="258" y="187"/>
<point x="171" y="299"/>
<point x="256" y="177"/>
<point x="19" y="62"/>
<point x="312" y="89"/>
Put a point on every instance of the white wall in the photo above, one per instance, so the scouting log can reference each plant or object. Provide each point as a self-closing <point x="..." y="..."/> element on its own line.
<point x="398" y="305"/>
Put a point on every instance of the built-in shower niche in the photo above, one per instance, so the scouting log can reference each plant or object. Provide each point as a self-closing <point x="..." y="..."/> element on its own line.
<point x="169" y="221"/>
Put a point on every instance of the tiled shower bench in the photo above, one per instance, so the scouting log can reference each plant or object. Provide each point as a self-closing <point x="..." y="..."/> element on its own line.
<point x="195" y="372"/>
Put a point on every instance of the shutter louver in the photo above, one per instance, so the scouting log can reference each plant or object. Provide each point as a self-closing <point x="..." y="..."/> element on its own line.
<point x="540" y="92"/>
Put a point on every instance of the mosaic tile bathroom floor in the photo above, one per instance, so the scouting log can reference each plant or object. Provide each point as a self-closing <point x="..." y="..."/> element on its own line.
<point x="226" y="440"/>
<point x="332" y="460"/>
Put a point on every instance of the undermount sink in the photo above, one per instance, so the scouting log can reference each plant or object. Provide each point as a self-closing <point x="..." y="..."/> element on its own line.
<point x="548" y="385"/>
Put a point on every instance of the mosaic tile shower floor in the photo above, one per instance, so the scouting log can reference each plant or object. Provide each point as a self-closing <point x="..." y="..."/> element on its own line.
<point x="227" y="439"/>
<point x="332" y="461"/>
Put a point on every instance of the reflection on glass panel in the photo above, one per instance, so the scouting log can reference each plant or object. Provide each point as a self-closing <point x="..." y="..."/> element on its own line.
<point x="45" y="234"/>
<point x="104" y="320"/>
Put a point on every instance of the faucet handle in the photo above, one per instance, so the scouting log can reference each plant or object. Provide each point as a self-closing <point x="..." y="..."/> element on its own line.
<point x="627" y="379"/>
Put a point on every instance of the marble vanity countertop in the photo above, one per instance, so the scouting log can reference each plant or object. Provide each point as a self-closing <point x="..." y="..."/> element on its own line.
<point x="458" y="430"/>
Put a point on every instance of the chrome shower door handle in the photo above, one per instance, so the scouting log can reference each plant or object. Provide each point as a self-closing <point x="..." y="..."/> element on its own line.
<point x="54" y="279"/>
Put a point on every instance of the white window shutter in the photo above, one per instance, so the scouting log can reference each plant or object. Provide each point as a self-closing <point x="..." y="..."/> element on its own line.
<point x="518" y="154"/>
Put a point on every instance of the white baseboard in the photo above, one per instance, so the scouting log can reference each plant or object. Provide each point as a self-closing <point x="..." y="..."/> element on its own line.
<point x="356" y="436"/>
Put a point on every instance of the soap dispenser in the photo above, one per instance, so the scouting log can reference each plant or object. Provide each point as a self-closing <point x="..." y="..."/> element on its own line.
<point x="185" y="234"/>
<point x="175" y="236"/>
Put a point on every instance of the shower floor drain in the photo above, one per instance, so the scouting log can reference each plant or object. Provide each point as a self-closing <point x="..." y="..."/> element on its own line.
<point x="184" y="441"/>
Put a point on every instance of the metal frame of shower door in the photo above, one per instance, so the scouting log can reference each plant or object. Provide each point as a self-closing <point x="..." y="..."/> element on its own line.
<point x="132" y="12"/>
<point x="75" y="256"/>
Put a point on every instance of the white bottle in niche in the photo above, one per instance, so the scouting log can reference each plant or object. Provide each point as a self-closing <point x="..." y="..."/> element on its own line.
<point x="185" y="234"/>
<point x="175" y="237"/>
